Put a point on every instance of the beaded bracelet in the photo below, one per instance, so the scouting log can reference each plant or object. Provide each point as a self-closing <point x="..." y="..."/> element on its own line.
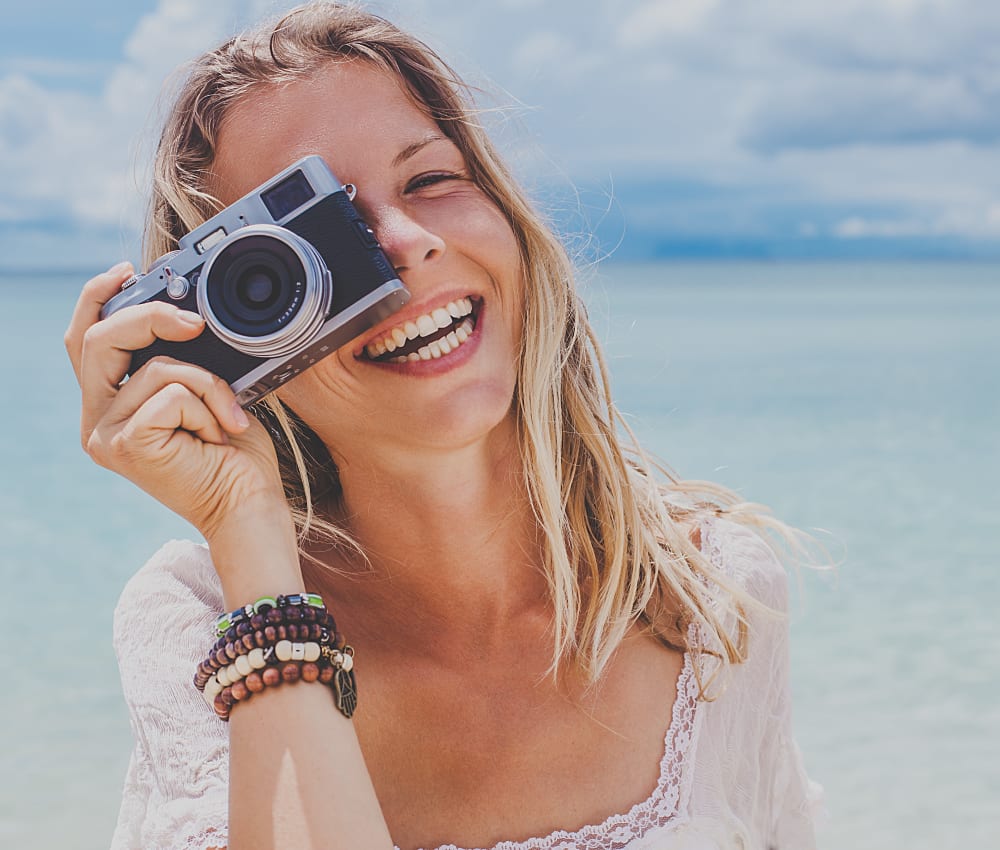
<point x="228" y="648"/>
<point x="334" y="669"/>
<point x="287" y="638"/>
<point x="277" y="616"/>
<point x="256" y="659"/>
<point x="246" y="636"/>
<point x="228" y="653"/>
<point x="263" y="605"/>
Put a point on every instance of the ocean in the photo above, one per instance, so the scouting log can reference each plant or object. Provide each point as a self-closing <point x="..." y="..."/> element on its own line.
<point x="859" y="401"/>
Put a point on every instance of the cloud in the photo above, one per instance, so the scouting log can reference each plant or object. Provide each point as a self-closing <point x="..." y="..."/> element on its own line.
<point x="877" y="118"/>
<point x="983" y="222"/>
<point x="557" y="57"/>
<point x="657" y="19"/>
<point x="55" y="70"/>
<point x="865" y="108"/>
<point x="64" y="152"/>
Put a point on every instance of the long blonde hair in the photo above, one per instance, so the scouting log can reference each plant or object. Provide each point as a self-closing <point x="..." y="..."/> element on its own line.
<point x="617" y="548"/>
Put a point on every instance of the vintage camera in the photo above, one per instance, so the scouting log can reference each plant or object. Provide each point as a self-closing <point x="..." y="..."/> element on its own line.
<point x="283" y="277"/>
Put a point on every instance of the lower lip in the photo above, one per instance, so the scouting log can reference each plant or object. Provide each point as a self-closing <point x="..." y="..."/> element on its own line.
<point x="446" y="362"/>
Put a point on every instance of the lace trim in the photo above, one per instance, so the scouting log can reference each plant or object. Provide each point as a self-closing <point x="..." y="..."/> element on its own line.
<point x="209" y="838"/>
<point x="657" y="810"/>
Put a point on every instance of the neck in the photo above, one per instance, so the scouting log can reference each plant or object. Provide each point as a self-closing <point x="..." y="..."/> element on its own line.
<point x="454" y="549"/>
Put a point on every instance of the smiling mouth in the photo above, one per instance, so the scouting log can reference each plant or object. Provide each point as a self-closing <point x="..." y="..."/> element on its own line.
<point x="427" y="337"/>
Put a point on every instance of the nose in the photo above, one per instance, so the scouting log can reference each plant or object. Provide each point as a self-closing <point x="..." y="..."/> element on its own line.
<point x="407" y="242"/>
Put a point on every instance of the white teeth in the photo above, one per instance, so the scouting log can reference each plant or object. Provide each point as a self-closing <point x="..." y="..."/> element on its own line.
<point x="435" y="350"/>
<point x="427" y="325"/>
<point x="371" y="350"/>
<point x="413" y="357"/>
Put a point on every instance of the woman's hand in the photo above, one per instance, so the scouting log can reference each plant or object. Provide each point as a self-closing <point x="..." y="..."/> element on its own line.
<point x="173" y="428"/>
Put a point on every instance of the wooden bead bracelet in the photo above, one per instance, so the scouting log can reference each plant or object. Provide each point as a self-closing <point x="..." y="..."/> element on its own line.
<point x="287" y="616"/>
<point x="225" y="652"/>
<point x="334" y="668"/>
<point x="302" y="601"/>
<point x="274" y="640"/>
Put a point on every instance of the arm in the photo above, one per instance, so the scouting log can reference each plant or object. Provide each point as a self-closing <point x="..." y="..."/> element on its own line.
<point x="298" y="778"/>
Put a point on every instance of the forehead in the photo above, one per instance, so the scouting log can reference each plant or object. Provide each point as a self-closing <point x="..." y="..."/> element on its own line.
<point x="355" y="114"/>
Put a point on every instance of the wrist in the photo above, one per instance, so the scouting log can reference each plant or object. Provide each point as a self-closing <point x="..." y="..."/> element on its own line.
<point x="255" y="552"/>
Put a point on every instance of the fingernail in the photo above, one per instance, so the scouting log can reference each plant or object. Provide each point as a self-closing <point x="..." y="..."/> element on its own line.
<point x="239" y="415"/>
<point x="121" y="267"/>
<point x="189" y="317"/>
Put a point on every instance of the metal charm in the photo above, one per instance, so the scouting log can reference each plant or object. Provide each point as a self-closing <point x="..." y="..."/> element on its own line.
<point x="345" y="686"/>
<point x="346" y="691"/>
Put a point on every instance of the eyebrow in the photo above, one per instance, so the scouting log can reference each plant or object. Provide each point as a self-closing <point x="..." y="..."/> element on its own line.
<point x="415" y="148"/>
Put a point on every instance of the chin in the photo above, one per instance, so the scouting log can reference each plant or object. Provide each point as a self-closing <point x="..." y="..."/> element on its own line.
<point x="463" y="419"/>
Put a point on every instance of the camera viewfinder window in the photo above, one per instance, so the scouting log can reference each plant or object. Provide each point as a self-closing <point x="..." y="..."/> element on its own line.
<point x="290" y="194"/>
<point x="210" y="241"/>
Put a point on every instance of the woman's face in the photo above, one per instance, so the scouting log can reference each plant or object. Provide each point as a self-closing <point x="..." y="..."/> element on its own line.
<point x="449" y="243"/>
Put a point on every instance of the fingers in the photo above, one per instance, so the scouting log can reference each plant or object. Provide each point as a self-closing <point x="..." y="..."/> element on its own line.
<point x="163" y="373"/>
<point x="126" y="330"/>
<point x="154" y="430"/>
<point x="174" y="408"/>
<point x="156" y="433"/>
<point x="96" y="293"/>
<point x="108" y="346"/>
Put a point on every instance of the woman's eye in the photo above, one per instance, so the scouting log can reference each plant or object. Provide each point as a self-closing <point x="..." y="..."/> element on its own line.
<point x="425" y="180"/>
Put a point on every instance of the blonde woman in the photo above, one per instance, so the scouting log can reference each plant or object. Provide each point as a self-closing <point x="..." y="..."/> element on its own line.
<point x="552" y="650"/>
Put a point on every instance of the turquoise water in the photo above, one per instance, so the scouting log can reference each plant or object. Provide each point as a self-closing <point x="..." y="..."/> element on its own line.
<point x="860" y="399"/>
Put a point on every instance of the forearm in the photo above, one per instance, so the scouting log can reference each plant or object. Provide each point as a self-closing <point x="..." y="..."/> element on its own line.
<point x="297" y="775"/>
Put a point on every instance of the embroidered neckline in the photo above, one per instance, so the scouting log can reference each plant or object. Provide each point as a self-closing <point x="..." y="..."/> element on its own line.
<point x="660" y="808"/>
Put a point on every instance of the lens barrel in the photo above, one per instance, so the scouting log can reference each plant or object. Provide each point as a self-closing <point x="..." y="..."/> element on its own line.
<point x="265" y="291"/>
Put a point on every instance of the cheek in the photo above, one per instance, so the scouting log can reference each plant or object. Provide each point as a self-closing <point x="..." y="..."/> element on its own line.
<point x="483" y="232"/>
<point x="475" y="225"/>
<point x="498" y="236"/>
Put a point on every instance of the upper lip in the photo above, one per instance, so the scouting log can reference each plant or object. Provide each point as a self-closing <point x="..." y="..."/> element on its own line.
<point x="410" y="313"/>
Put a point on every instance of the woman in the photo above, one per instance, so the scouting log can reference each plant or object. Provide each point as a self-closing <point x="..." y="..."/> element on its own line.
<point x="551" y="649"/>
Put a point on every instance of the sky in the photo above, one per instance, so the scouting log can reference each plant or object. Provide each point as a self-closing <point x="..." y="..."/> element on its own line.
<point x="665" y="128"/>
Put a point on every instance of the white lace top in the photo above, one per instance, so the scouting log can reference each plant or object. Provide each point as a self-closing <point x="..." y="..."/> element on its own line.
<point x="731" y="775"/>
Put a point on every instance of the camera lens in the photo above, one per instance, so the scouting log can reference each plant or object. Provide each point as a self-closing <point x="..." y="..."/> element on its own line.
<point x="265" y="291"/>
<point x="257" y="286"/>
